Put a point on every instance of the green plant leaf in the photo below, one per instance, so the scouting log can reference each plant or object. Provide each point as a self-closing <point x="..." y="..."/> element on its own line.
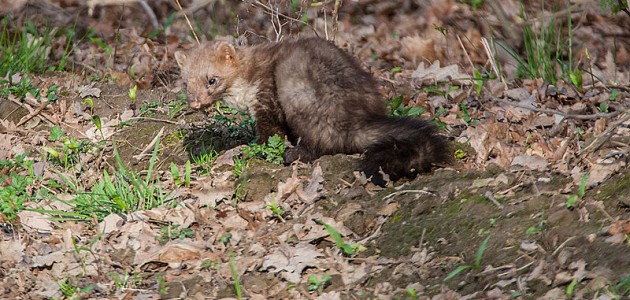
<point x="582" y="188"/>
<point x="571" y="287"/>
<point x="347" y="249"/>
<point x="132" y="93"/>
<point x="613" y="94"/>
<point x="480" y="251"/>
<point x="456" y="271"/>
<point x="571" y="201"/>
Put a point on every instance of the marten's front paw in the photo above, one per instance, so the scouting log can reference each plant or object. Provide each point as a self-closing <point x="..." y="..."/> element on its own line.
<point x="296" y="153"/>
<point x="290" y="155"/>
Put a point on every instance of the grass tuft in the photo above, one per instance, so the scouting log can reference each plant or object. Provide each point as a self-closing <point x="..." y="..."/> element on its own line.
<point x="27" y="50"/>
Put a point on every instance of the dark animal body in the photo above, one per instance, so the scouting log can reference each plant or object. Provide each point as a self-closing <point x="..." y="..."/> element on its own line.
<point x="316" y="95"/>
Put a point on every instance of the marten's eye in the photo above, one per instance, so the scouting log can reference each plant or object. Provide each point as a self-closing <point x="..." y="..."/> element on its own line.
<point x="212" y="81"/>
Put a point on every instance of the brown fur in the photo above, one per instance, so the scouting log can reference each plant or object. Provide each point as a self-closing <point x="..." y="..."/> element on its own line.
<point x="315" y="94"/>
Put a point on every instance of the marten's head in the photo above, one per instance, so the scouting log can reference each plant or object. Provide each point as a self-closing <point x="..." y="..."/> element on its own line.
<point x="208" y="71"/>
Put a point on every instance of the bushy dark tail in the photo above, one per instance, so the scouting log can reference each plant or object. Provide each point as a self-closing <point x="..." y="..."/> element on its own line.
<point x="404" y="147"/>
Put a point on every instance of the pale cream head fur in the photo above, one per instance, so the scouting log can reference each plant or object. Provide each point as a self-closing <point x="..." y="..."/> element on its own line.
<point x="209" y="70"/>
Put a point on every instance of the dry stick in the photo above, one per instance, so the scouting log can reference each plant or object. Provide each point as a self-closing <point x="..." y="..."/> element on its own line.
<point x="31" y="115"/>
<point x="268" y="9"/>
<point x="623" y="7"/>
<point x="335" y="15"/>
<point x="276" y="24"/>
<point x="492" y="59"/>
<point x="150" y="13"/>
<point x="325" y="22"/>
<point x="392" y="195"/>
<point x="188" y="21"/>
<point x="156" y="120"/>
<point x="472" y="66"/>
<point x="47" y="117"/>
<point x="494" y="201"/>
<point x="605" y="136"/>
<point x="149" y="147"/>
<point x="565" y="115"/>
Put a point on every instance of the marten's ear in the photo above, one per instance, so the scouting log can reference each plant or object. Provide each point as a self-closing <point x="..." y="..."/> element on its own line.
<point x="180" y="57"/>
<point x="226" y="53"/>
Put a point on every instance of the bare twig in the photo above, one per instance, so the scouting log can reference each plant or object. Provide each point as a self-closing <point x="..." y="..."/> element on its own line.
<point x="392" y="195"/>
<point x="335" y="16"/>
<point x="494" y="201"/>
<point x="156" y="120"/>
<point x="623" y="7"/>
<point x="31" y="115"/>
<point x="604" y="137"/>
<point x="275" y="22"/>
<point x="147" y="149"/>
<point x="188" y="21"/>
<point x="560" y="113"/>
<point x="48" y="118"/>
<point x="150" y="13"/>
<point x="472" y="66"/>
<point x="269" y="10"/>
<point x="490" y="52"/>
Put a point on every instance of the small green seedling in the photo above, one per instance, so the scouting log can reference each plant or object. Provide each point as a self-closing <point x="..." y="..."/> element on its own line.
<point x="55" y="133"/>
<point x="533" y="230"/>
<point x="460" y="154"/>
<point x="465" y="115"/>
<point x="411" y="292"/>
<point x="478" y="82"/>
<point x="132" y="93"/>
<point x="622" y="288"/>
<point x="571" y="287"/>
<point x="348" y="249"/>
<point x="270" y="151"/>
<point x="14" y="186"/>
<point x="318" y="283"/>
<point x="204" y="161"/>
<point x="177" y="178"/>
<point x="614" y="93"/>
<point x="476" y="265"/>
<point x="573" y="200"/>
<point x="275" y="208"/>
<point x="395" y="107"/>
<point x="235" y="277"/>
<point x="225" y="239"/>
<point x="436" y="90"/>
<point x="162" y="285"/>
<point x="239" y="165"/>
<point x="210" y="264"/>
<point x="173" y="232"/>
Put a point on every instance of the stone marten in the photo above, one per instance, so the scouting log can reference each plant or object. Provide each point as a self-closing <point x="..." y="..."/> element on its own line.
<point x="317" y="96"/>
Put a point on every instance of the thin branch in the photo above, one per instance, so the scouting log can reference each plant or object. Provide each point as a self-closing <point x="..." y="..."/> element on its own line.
<point x="270" y="10"/>
<point x="392" y="195"/>
<point x="150" y="13"/>
<point x="335" y="15"/>
<point x="604" y="137"/>
<point x="188" y="21"/>
<point x="623" y="7"/>
<point x="560" y="113"/>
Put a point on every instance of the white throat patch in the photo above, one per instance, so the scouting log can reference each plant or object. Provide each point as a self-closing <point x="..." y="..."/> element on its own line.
<point x="242" y="95"/>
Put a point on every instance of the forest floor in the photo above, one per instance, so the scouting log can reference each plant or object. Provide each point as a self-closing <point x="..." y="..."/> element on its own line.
<point x="111" y="187"/>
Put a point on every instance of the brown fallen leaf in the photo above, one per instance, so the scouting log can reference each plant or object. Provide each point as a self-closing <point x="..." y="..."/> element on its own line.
<point x="290" y="261"/>
<point x="619" y="227"/>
